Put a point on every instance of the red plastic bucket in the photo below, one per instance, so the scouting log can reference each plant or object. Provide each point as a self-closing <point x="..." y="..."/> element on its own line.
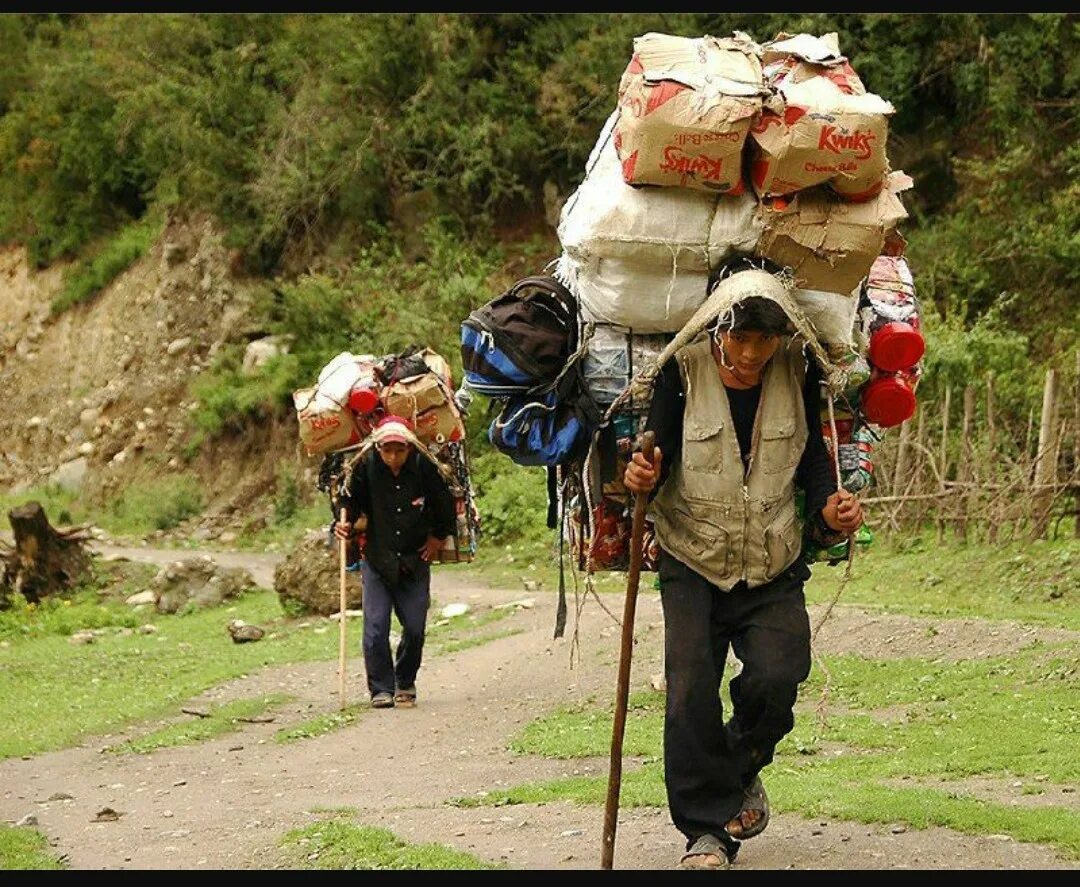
<point x="896" y="346"/>
<point x="363" y="400"/>
<point x="888" y="401"/>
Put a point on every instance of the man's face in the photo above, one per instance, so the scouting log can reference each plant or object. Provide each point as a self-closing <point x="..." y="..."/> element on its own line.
<point x="749" y="350"/>
<point x="394" y="454"/>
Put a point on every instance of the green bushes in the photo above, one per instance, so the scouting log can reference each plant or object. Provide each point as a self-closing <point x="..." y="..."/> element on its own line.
<point x="92" y="275"/>
<point x="512" y="500"/>
<point x="157" y="505"/>
<point x="380" y="305"/>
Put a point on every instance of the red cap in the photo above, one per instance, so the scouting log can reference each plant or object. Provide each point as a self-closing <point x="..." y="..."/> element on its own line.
<point x="887" y="401"/>
<point x="896" y="346"/>
<point x="394" y="429"/>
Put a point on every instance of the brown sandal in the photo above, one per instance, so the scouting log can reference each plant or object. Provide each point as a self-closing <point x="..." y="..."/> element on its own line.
<point x="406" y="698"/>
<point x="754" y="799"/>
<point x="707" y="852"/>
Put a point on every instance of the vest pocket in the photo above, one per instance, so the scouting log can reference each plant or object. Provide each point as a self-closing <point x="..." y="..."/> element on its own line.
<point x="782" y="538"/>
<point x="706" y="542"/>
<point x="701" y="444"/>
<point x="779" y="451"/>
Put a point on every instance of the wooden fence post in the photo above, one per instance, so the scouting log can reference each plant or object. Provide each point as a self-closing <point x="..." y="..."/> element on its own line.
<point x="1045" y="466"/>
<point x="965" y="470"/>
<point x="1075" y="477"/>
<point x="899" y="477"/>
<point x="993" y="516"/>
<point x="943" y="466"/>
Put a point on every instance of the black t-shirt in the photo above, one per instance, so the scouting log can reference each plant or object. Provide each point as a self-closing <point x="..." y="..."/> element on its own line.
<point x="814" y="475"/>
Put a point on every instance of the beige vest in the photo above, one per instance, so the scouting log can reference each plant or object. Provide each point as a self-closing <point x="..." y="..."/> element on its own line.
<point x="726" y="524"/>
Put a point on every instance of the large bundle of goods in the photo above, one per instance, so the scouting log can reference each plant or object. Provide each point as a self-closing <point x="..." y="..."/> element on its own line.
<point x="354" y="392"/>
<point x="717" y="149"/>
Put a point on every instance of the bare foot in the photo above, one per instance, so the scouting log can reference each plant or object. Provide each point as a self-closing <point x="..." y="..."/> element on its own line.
<point x="742" y="823"/>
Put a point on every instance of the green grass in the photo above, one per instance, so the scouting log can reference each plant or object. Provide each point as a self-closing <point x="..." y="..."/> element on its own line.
<point x="585" y="730"/>
<point x="25" y="849"/>
<point x="321" y="725"/>
<point x="85" y="607"/>
<point x="343" y="845"/>
<point x="128" y="677"/>
<point x="62" y="507"/>
<point x="57" y="694"/>
<point x="1004" y="717"/>
<point x="91" y="275"/>
<point x="1036" y="582"/>
<point x="159" y="503"/>
<point x="223" y="719"/>
<point x="456" y="646"/>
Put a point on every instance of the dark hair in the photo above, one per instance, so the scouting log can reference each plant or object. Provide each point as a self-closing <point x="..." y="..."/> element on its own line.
<point x="755" y="312"/>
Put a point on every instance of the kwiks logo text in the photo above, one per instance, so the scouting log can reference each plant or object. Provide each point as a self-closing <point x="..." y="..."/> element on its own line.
<point x="676" y="161"/>
<point x="858" y="142"/>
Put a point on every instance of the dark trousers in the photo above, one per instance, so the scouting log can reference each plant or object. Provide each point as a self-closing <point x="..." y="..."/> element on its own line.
<point x="708" y="763"/>
<point x="409" y="599"/>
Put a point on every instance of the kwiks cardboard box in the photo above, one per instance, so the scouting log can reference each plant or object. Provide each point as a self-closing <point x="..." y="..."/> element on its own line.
<point x="830" y="244"/>
<point x="663" y="227"/>
<point x="793" y="59"/>
<point x="325" y="425"/>
<point x="822" y="127"/>
<point x="685" y="108"/>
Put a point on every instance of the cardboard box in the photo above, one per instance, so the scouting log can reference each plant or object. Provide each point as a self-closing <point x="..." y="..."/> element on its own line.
<point x="822" y="134"/>
<point x="440" y="424"/>
<point x="410" y="397"/>
<point x="830" y="244"/>
<point x="325" y="425"/>
<point x="685" y="108"/>
<point x="794" y="59"/>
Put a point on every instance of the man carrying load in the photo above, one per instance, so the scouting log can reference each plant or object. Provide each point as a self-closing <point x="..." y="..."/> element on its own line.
<point x="736" y="421"/>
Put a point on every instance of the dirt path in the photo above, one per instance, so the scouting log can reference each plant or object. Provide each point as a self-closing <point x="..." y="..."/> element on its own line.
<point x="226" y="803"/>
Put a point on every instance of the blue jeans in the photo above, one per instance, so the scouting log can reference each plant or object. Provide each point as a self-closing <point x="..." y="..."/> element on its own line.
<point x="410" y="600"/>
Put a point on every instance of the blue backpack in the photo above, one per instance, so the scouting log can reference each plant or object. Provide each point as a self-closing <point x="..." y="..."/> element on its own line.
<point x="549" y="429"/>
<point x="521" y="341"/>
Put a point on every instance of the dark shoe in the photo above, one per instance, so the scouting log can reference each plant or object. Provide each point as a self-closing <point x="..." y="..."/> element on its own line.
<point x="382" y="700"/>
<point x="754" y="798"/>
<point x="707" y="852"/>
<point x="406" y="697"/>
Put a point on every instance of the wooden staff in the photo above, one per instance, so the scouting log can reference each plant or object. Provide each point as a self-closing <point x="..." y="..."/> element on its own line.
<point x="341" y="607"/>
<point x="637" y="534"/>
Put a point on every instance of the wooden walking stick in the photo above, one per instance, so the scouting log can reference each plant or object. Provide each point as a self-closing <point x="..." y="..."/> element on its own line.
<point x="637" y="533"/>
<point x="342" y="605"/>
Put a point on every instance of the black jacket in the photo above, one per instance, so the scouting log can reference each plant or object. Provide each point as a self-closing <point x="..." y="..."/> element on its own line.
<point x="402" y="512"/>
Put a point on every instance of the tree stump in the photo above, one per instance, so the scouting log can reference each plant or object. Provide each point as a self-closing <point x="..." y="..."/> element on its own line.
<point x="44" y="560"/>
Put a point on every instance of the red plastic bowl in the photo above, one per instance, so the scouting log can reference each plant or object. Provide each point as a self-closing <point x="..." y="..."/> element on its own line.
<point x="888" y="402"/>
<point x="896" y="346"/>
